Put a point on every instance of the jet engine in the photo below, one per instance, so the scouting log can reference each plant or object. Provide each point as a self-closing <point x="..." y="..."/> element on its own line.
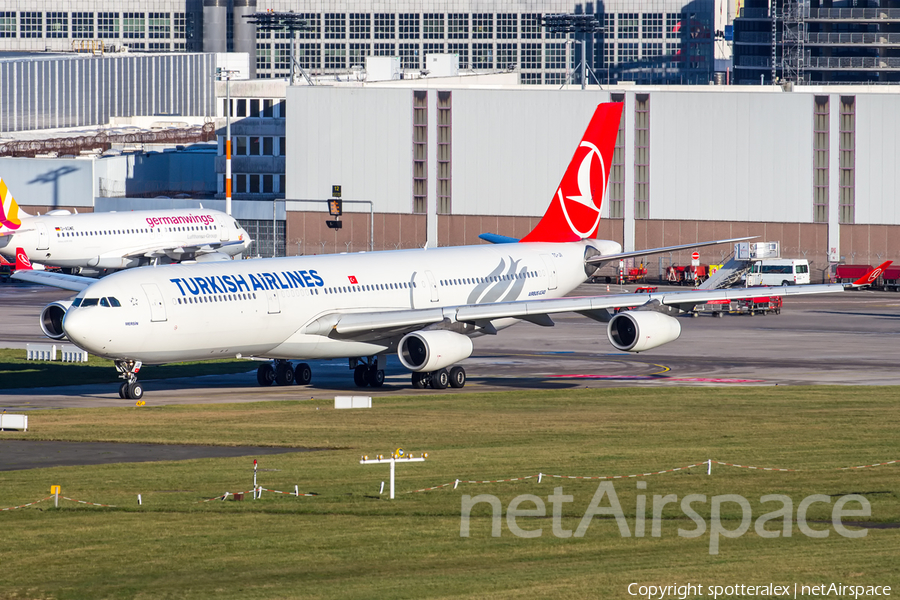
<point x="639" y="330"/>
<point x="212" y="257"/>
<point x="433" y="349"/>
<point x="52" y="318"/>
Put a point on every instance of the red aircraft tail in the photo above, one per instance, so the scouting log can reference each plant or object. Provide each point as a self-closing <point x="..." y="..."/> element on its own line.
<point x="574" y="212"/>
<point x="873" y="275"/>
<point x="22" y="261"/>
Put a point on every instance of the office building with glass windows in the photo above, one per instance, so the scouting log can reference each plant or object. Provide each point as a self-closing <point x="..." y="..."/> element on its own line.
<point x="651" y="41"/>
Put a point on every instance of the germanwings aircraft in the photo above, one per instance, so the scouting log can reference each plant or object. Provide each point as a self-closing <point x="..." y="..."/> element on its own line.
<point x="95" y="242"/>
<point x="424" y="305"/>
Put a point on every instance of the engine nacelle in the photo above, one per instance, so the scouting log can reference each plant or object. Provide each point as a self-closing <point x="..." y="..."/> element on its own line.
<point x="212" y="257"/>
<point x="639" y="330"/>
<point x="52" y="318"/>
<point x="433" y="350"/>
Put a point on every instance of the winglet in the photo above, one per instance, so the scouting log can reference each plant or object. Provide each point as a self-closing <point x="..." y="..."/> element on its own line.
<point x="22" y="261"/>
<point x="871" y="276"/>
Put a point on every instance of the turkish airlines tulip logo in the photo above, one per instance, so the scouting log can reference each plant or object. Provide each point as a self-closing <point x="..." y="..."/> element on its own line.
<point x="578" y="205"/>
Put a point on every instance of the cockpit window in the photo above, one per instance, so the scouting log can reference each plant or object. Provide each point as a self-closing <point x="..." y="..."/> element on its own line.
<point x="113" y="301"/>
<point x="104" y="302"/>
<point x="76" y="302"/>
<point x="236" y="226"/>
<point x="90" y="302"/>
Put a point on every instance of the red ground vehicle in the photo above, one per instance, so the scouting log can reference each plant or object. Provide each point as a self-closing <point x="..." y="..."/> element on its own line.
<point x="891" y="279"/>
<point x="687" y="275"/>
<point x="850" y="273"/>
<point x="748" y="306"/>
<point x="646" y="289"/>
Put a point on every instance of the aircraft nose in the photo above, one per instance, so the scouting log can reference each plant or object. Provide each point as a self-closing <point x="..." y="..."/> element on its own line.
<point x="81" y="330"/>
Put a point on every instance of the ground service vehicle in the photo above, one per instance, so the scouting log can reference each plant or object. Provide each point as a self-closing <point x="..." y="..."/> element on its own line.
<point x="779" y="271"/>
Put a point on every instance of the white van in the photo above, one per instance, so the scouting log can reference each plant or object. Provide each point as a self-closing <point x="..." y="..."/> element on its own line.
<point x="779" y="271"/>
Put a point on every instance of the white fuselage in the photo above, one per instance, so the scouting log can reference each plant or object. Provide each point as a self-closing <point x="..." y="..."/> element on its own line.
<point x="118" y="240"/>
<point x="279" y="307"/>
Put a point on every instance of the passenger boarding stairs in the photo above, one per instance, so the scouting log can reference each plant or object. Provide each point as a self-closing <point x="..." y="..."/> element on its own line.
<point x="729" y="274"/>
<point x="745" y="254"/>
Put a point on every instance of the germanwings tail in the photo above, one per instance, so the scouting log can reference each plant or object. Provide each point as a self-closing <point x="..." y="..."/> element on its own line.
<point x="574" y="212"/>
<point x="10" y="215"/>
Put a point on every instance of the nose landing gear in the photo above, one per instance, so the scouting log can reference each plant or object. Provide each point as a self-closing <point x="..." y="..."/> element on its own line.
<point x="130" y="389"/>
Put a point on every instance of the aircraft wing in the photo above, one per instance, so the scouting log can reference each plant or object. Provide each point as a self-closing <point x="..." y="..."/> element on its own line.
<point x="14" y="231"/>
<point x="537" y="311"/>
<point x="76" y="283"/>
<point x="602" y="258"/>
<point x="163" y="250"/>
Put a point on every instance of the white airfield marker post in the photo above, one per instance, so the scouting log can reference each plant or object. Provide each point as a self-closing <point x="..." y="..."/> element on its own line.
<point x="399" y="456"/>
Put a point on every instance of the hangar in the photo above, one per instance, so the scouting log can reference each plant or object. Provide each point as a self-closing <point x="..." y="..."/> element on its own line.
<point x="812" y="167"/>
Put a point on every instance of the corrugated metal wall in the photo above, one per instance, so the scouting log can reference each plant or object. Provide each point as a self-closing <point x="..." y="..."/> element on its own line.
<point x="360" y="139"/>
<point x="78" y="91"/>
<point x="729" y="155"/>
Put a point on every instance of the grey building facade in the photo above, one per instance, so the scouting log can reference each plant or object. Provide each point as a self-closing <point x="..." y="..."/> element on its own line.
<point x="652" y="41"/>
<point x="818" y="41"/>
<point x="74" y="90"/>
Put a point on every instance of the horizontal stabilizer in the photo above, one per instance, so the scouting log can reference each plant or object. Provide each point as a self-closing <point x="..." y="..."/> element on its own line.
<point x="496" y="238"/>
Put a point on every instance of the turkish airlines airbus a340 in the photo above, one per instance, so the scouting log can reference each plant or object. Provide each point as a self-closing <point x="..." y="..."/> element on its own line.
<point x="424" y="305"/>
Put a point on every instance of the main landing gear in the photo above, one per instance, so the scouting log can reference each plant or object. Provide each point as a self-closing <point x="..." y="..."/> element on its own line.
<point x="440" y="379"/>
<point x="283" y="372"/>
<point x="131" y="388"/>
<point x="367" y="373"/>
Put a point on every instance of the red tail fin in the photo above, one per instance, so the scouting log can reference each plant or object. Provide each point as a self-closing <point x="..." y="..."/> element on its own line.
<point x="574" y="212"/>
<point x="22" y="261"/>
<point x="873" y="275"/>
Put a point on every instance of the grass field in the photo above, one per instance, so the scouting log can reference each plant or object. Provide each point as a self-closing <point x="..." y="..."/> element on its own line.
<point x="16" y="372"/>
<point x="349" y="542"/>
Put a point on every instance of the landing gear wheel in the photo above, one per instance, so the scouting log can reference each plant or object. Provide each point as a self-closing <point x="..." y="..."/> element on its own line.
<point x="123" y="391"/>
<point x="440" y="379"/>
<point x="284" y="374"/>
<point x="360" y="376"/>
<point x="419" y="380"/>
<point x="302" y="374"/>
<point x="134" y="390"/>
<point x="265" y="375"/>
<point x="457" y="377"/>
<point x="375" y="377"/>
